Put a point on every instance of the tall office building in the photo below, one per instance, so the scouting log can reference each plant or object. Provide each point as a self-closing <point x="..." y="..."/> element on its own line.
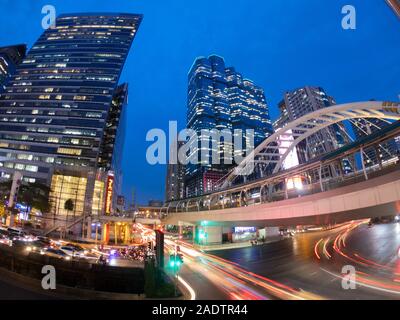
<point x="385" y="151"/>
<point x="61" y="108"/>
<point x="175" y="182"/>
<point x="220" y="98"/>
<point x="306" y="100"/>
<point x="10" y="57"/>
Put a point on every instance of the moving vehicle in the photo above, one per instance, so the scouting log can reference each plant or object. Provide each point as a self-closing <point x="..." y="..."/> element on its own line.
<point x="56" y="253"/>
<point x="69" y="250"/>
<point x="80" y="250"/>
<point x="44" y="240"/>
<point x="35" y="246"/>
<point x="15" y="233"/>
<point x="4" y="232"/>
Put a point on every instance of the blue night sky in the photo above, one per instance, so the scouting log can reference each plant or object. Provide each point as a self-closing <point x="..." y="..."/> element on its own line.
<point x="281" y="45"/>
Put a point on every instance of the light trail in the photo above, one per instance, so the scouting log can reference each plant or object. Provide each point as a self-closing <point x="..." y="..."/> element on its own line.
<point x="188" y="287"/>
<point x="233" y="279"/>
<point x="364" y="278"/>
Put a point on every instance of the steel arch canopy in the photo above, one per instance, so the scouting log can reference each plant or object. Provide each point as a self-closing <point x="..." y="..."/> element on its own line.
<point x="272" y="151"/>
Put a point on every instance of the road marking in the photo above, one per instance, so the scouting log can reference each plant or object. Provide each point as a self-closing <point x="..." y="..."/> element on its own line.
<point x="188" y="287"/>
<point x="362" y="284"/>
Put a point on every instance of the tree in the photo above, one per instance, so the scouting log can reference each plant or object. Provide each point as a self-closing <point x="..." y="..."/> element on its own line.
<point x="69" y="205"/>
<point x="34" y="195"/>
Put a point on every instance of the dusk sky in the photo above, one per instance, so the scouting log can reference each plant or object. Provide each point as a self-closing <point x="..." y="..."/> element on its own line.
<point x="281" y="45"/>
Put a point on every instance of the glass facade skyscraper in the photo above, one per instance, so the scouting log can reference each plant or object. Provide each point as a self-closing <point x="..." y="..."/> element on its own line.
<point x="60" y="110"/>
<point x="175" y="180"/>
<point x="220" y="98"/>
<point x="302" y="101"/>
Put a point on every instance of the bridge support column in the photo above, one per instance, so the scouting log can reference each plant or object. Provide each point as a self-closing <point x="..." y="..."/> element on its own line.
<point x="88" y="229"/>
<point x="341" y="171"/>
<point x="363" y="163"/>
<point x="286" y="189"/>
<point x="209" y="235"/>
<point x="194" y="234"/>
<point x="180" y="228"/>
<point x="320" y="178"/>
<point x="261" y="191"/>
<point x="270" y="190"/>
<point x="377" y="154"/>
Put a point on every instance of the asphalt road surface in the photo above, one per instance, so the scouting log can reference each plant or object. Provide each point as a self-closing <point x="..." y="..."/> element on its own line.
<point x="314" y="262"/>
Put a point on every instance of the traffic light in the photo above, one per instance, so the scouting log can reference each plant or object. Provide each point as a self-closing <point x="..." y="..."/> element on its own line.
<point x="202" y="235"/>
<point x="175" y="261"/>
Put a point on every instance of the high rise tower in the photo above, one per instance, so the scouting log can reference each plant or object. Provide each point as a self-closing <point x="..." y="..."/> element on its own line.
<point x="302" y="101"/>
<point x="59" y="114"/>
<point x="220" y="98"/>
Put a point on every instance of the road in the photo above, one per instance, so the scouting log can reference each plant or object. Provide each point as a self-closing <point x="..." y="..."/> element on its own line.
<point x="10" y="291"/>
<point x="308" y="266"/>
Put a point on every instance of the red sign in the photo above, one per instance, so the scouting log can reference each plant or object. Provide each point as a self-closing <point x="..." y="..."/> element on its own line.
<point x="109" y="193"/>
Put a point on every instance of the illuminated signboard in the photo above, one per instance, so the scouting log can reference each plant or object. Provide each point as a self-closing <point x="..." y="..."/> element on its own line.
<point x="109" y="193"/>
<point x="245" y="229"/>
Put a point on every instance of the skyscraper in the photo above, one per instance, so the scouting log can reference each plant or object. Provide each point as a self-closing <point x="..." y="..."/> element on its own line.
<point x="302" y="101"/>
<point x="10" y="57"/>
<point x="61" y="108"/>
<point x="220" y="98"/>
<point x="175" y="182"/>
<point x="385" y="151"/>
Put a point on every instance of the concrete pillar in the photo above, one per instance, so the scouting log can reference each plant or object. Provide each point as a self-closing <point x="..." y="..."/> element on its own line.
<point x="341" y="171"/>
<point x="320" y="178"/>
<point x="286" y="189"/>
<point x="89" y="228"/>
<point x="363" y="164"/>
<point x="213" y="235"/>
<point x="96" y="233"/>
<point x="88" y="203"/>
<point x="11" y="220"/>
<point x="180" y="227"/>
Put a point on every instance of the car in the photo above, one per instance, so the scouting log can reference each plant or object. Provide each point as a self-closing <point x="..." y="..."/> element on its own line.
<point x="55" y="253"/>
<point x="4" y="232"/>
<point x="68" y="250"/>
<point x="5" y="240"/>
<point x="76" y="247"/>
<point x="16" y="232"/>
<point x="44" y="240"/>
<point x="35" y="246"/>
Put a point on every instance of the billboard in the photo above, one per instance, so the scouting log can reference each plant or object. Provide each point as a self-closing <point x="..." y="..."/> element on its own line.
<point x="109" y="194"/>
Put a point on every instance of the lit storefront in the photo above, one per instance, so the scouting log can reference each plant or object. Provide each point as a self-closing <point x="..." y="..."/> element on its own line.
<point x="67" y="188"/>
